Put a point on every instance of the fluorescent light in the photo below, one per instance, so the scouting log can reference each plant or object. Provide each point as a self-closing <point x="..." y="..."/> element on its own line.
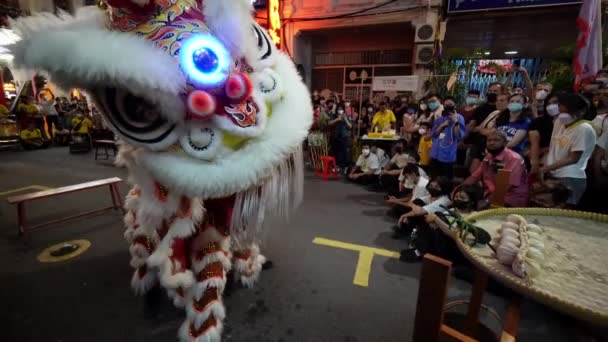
<point x="510" y="52"/>
<point x="487" y="53"/>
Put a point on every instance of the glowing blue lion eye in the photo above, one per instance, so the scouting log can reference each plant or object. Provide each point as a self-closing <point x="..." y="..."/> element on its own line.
<point x="205" y="60"/>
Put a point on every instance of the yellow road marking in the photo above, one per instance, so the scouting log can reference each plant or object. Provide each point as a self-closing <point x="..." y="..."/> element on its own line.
<point x="366" y="256"/>
<point x="46" y="257"/>
<point x="31" y="187"/>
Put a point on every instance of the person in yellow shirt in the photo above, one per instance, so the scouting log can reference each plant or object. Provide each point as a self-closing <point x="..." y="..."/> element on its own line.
<point x="384" y="119"/>
<point x="425" y="144"/>
<point x="32" y="138"/>
<point x="81" y="124"/>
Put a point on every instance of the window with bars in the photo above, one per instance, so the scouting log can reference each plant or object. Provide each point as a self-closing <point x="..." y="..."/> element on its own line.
<point x="328" y="79"/>
<point x="401" y="56"/>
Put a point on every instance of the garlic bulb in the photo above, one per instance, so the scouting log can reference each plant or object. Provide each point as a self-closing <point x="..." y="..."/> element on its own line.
<point x="532" y="268"/>
<point x="517" y="219"/>
<point x="505" y="253"/>
<point x="519" y="268"/>
<point x="534" y="228"/>
<point x="521" y="246"/>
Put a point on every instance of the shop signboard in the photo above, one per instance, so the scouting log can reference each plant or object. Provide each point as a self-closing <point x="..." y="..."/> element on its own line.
<point x="274" y="22"/>
<point x="395" y="83"/>
<point x="457" y="6"/>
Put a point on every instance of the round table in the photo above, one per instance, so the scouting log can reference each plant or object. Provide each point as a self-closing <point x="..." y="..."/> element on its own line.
<point x="574" y="277"/>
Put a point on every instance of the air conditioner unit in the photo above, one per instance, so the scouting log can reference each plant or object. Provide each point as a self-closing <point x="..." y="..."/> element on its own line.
<point x="425" y="33"/>
<point x="424" y="54"/>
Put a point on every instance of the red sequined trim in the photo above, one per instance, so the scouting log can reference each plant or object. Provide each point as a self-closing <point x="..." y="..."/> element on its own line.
<point x="211" y="322"/>
<point x="144" y="241"/>
<point x="160" y="192"/>
<point x="213" y="270"/>
<point x="185" y="208"/>
<point x="211" y="295"/>
<point x="243" y="255"/>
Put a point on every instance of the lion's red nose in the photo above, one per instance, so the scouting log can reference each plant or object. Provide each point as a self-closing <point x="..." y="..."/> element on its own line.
<point x="238" y="87"/>
<point x="201" y="105"/>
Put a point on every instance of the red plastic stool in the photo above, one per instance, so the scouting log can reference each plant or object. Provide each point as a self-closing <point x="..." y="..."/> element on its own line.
<point x="327" y="168"/>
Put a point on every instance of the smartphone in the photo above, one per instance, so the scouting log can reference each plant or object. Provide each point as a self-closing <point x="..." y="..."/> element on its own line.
<point x="517" y="63"/>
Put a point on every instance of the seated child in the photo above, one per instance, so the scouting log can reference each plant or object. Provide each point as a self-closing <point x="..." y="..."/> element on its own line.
<point x="415" y="220"/>
<point x="367" y="169"/>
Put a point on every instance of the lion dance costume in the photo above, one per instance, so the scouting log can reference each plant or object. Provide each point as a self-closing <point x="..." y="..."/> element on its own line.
<point x="211" y="116"/>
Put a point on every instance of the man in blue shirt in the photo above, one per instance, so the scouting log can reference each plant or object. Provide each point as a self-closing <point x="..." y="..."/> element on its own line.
<point x="448" y="130"/>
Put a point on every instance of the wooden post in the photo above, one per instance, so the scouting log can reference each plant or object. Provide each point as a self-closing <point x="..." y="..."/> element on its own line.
<point x="21" y="218"/>
<point x="472" y="320"/>
<point x="432" y="292"/>
<point x="511" y="323"/>
<point x="503" y="181"/>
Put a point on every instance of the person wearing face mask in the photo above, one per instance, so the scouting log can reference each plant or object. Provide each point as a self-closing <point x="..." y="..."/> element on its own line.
<point x="315" y="97"/>
<point x="471" y="103"/>
<point x="341" y="125"/>
<point x="539" y="133"/>
<point x="476" y="140"/>
<point x="412" y="189"/>
<point x="515" y="122"/>
<point x="331" y="107"/>
<point x="384" y="119"/>
<point x="572" y="144"/>
<point x="448" y="131"/>
<point x="422" y="115"/>
<point x="467" y="111"/>
<point x="349" y="110"/>
<point x="466" y="200"/>
<point x="365" y="121"/>
<point x="415" y="220"/>
<point x="501" y="157"/>
<point x="425" y="144"/>
<point x="389" y="178"/>
<point x="435" y="107"/>
<point x="367" y="169"/>
<point x="541" y="92"/>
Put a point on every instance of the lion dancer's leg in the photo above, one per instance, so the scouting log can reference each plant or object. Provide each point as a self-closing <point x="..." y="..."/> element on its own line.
<point x="142" y="243"/>
<point x="171" y="256"/>
<point x="248" y="263"/>
<point x="210" y="254"/>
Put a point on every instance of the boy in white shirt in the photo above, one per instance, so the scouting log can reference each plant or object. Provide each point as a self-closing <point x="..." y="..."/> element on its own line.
<point x="367" y="169"/>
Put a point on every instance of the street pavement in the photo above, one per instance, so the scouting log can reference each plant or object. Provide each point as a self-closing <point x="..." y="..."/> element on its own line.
<point x="308" y="296"/>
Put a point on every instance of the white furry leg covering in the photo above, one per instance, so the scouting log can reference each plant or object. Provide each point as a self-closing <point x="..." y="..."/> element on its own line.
<point x="171" y="255"/>
<point x="248" y="265"/>
<point x="142" y="243"/>
<point x="210" y="256"/>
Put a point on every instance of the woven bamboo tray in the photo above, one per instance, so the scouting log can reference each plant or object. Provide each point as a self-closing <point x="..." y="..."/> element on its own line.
<point x="574" y="278"/>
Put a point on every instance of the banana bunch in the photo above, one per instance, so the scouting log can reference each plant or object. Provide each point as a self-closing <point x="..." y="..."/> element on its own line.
<point x="520" y="245"/>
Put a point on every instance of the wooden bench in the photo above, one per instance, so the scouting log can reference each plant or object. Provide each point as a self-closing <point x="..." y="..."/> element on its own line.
<point x="105" y="145"/>
<point x="20" y="201"/>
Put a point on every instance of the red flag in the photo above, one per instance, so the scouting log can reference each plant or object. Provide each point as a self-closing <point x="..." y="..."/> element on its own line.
<point x="588" y="53"/>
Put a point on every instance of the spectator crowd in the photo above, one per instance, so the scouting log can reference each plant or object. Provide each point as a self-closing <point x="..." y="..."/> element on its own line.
<point x="513" y="147"/>
<point x="46" y="120"/>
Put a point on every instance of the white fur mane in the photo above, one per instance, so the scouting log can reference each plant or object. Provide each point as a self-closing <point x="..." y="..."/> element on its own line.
<point x="77" y="55"/>
<point x="88" y="17"/>
<point x="230" y="21"/>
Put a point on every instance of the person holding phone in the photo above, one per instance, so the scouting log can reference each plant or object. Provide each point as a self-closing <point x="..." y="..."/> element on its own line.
<point x="341" y="124"/>
<point x="448" y="130"/>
